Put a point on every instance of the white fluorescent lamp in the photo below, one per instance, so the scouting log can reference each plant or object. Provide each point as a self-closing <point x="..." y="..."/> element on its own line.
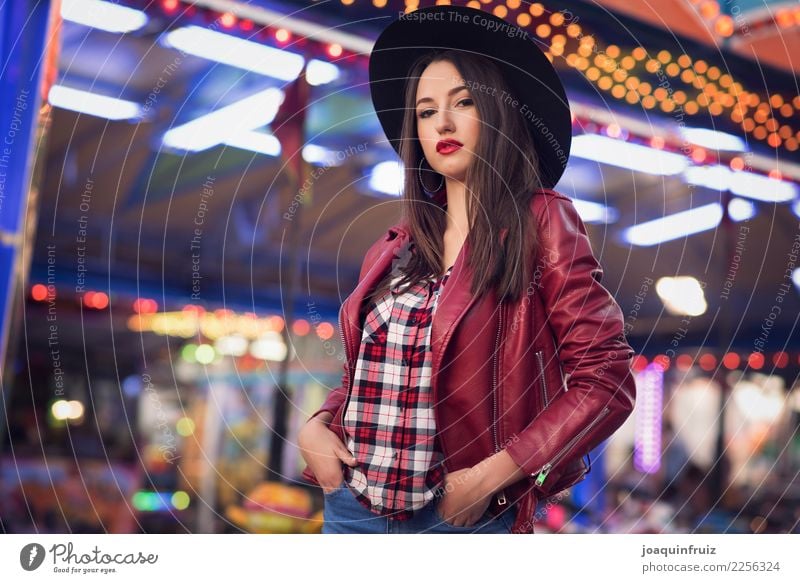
<point x="626" y="155"/>
<point x="715" y="177"/>
<point x="314" y="154"/>
<point x="760" y="187"/>
<point x="796" y="207"/>
<point x="227" y="123"/>
<point x="103" y="15"/>
<point x="269" y="347"/>
<point x="236" y="52"/>
<point x="233" y="345"/>
<point x="740" y="209"/>
<point x="595" y="212"/>
<point x="747" y="184"/>
<point x="256" y="142"/>
<point x="682" y="295"/>
<point x="674" y="226"/>
<point x="714" y="140"/>
<point x="796" y="278"/>
<point x="93" y="104"/>
<point x="321" y="72"/>
<point x="388" y="178"/>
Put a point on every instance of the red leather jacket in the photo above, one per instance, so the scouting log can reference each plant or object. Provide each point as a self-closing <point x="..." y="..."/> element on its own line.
<point x="547" y="377"/>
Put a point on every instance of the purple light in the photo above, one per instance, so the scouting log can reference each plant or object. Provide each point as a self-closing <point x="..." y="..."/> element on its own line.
<point x="647" y="436"/>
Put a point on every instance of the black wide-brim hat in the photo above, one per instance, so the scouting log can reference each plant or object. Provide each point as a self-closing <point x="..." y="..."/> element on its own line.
<point x="531" y="76"/>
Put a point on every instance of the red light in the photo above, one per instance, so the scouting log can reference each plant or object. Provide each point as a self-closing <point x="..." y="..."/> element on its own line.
<point x="708" y="361"/>
<point x="39" y="292"/>
<point x="277" y="323"/>
<point x="100" y="301"/>
<point x="145" y="306"/>
<point x="96" y="300"/>
<point x="731" y="360"/>
<point x="335" y="50"/>
<point x="684" y="362"/>
<point x="780" y="359"/>
<point x="246" y="25"/>
<point x="169" y="6"/>
<point x="639" y="363"/>
<point x="228" y="20"/>
<point x="325" y="330"/>
<point x="662" y="360"/>
<point x="282" y="35"/>
<point x="698" y="154"/>
<point x="755" y="360"/>
<point x="301" y="327"/>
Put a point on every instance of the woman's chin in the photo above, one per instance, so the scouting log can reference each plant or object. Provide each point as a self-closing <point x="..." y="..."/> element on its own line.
<point x="454" y="172"/>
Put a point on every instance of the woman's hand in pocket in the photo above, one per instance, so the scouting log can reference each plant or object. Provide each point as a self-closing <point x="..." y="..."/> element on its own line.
<point x="324" y="453"/>
<point x="463" y="504"/>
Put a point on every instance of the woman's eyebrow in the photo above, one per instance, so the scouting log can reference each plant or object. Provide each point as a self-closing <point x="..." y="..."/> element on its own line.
<point x="449" y="93"/>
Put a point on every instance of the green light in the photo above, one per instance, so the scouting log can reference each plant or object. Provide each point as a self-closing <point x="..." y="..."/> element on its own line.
<point x="188" y="352"/>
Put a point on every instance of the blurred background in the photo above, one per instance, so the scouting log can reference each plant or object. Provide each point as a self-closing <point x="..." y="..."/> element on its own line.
<point x="187" y="190"/>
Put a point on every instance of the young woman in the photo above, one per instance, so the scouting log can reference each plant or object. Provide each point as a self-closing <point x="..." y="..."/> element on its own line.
<point x="483" y="356"/>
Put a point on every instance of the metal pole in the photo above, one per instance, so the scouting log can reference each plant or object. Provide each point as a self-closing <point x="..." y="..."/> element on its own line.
<point x="28" y="53"/>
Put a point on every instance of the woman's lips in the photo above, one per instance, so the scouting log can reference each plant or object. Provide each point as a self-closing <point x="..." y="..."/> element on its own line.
<point x="447" y="147"/>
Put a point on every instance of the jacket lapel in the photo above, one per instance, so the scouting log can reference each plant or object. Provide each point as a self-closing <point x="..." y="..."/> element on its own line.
<point x="454" y="302"/>
<point x="351" y="305"/>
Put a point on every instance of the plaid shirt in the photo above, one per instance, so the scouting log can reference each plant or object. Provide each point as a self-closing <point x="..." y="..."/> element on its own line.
<point x="389" y="421"/>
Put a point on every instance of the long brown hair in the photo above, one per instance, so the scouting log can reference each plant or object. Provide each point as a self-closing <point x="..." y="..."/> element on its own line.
<point x="502" y="179"/>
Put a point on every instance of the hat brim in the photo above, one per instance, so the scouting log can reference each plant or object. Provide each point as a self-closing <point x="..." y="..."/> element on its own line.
<point x="534" y="82"/>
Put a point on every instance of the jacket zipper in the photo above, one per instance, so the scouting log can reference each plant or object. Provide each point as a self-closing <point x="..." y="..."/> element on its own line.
<point x="549" y="465"/>
<point x="540" y="358"/>
<point x="501" y="496"/>
<point x="343" y="332"/>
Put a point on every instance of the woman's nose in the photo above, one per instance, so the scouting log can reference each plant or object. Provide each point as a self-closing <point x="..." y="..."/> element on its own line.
<point x="445" y="121"/>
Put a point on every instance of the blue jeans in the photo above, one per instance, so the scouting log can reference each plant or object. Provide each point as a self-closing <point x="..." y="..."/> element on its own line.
<point x="343" y="514"/>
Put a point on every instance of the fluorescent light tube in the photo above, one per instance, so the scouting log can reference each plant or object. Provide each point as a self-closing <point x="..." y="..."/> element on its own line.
<point x="714" y="140"/>
<point x="236" y="52"/>
<point x="674" y="226"/>
<point x="92" y="103"/>
<point x="103" y="15"/>
<point x="627" y="155"/>
<point x="227" y="123"/>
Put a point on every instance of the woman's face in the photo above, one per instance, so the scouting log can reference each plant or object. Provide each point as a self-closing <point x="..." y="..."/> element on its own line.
<point x="444" y="111"/>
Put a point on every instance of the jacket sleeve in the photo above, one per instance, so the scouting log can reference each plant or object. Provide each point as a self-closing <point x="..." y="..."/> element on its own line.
<point x="334" y="399"/>
<point x="590" y="343"/>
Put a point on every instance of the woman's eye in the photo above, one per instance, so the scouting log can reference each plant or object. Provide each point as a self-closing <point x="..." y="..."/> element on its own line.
<point x="466" y="101"/>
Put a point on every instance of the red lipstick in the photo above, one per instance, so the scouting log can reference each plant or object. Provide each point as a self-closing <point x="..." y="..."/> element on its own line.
<point x="448" y="146"/>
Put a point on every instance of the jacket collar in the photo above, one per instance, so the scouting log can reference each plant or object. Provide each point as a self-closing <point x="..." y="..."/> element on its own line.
<point x="454" y="301"/>
<point x="401" y="229"/>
